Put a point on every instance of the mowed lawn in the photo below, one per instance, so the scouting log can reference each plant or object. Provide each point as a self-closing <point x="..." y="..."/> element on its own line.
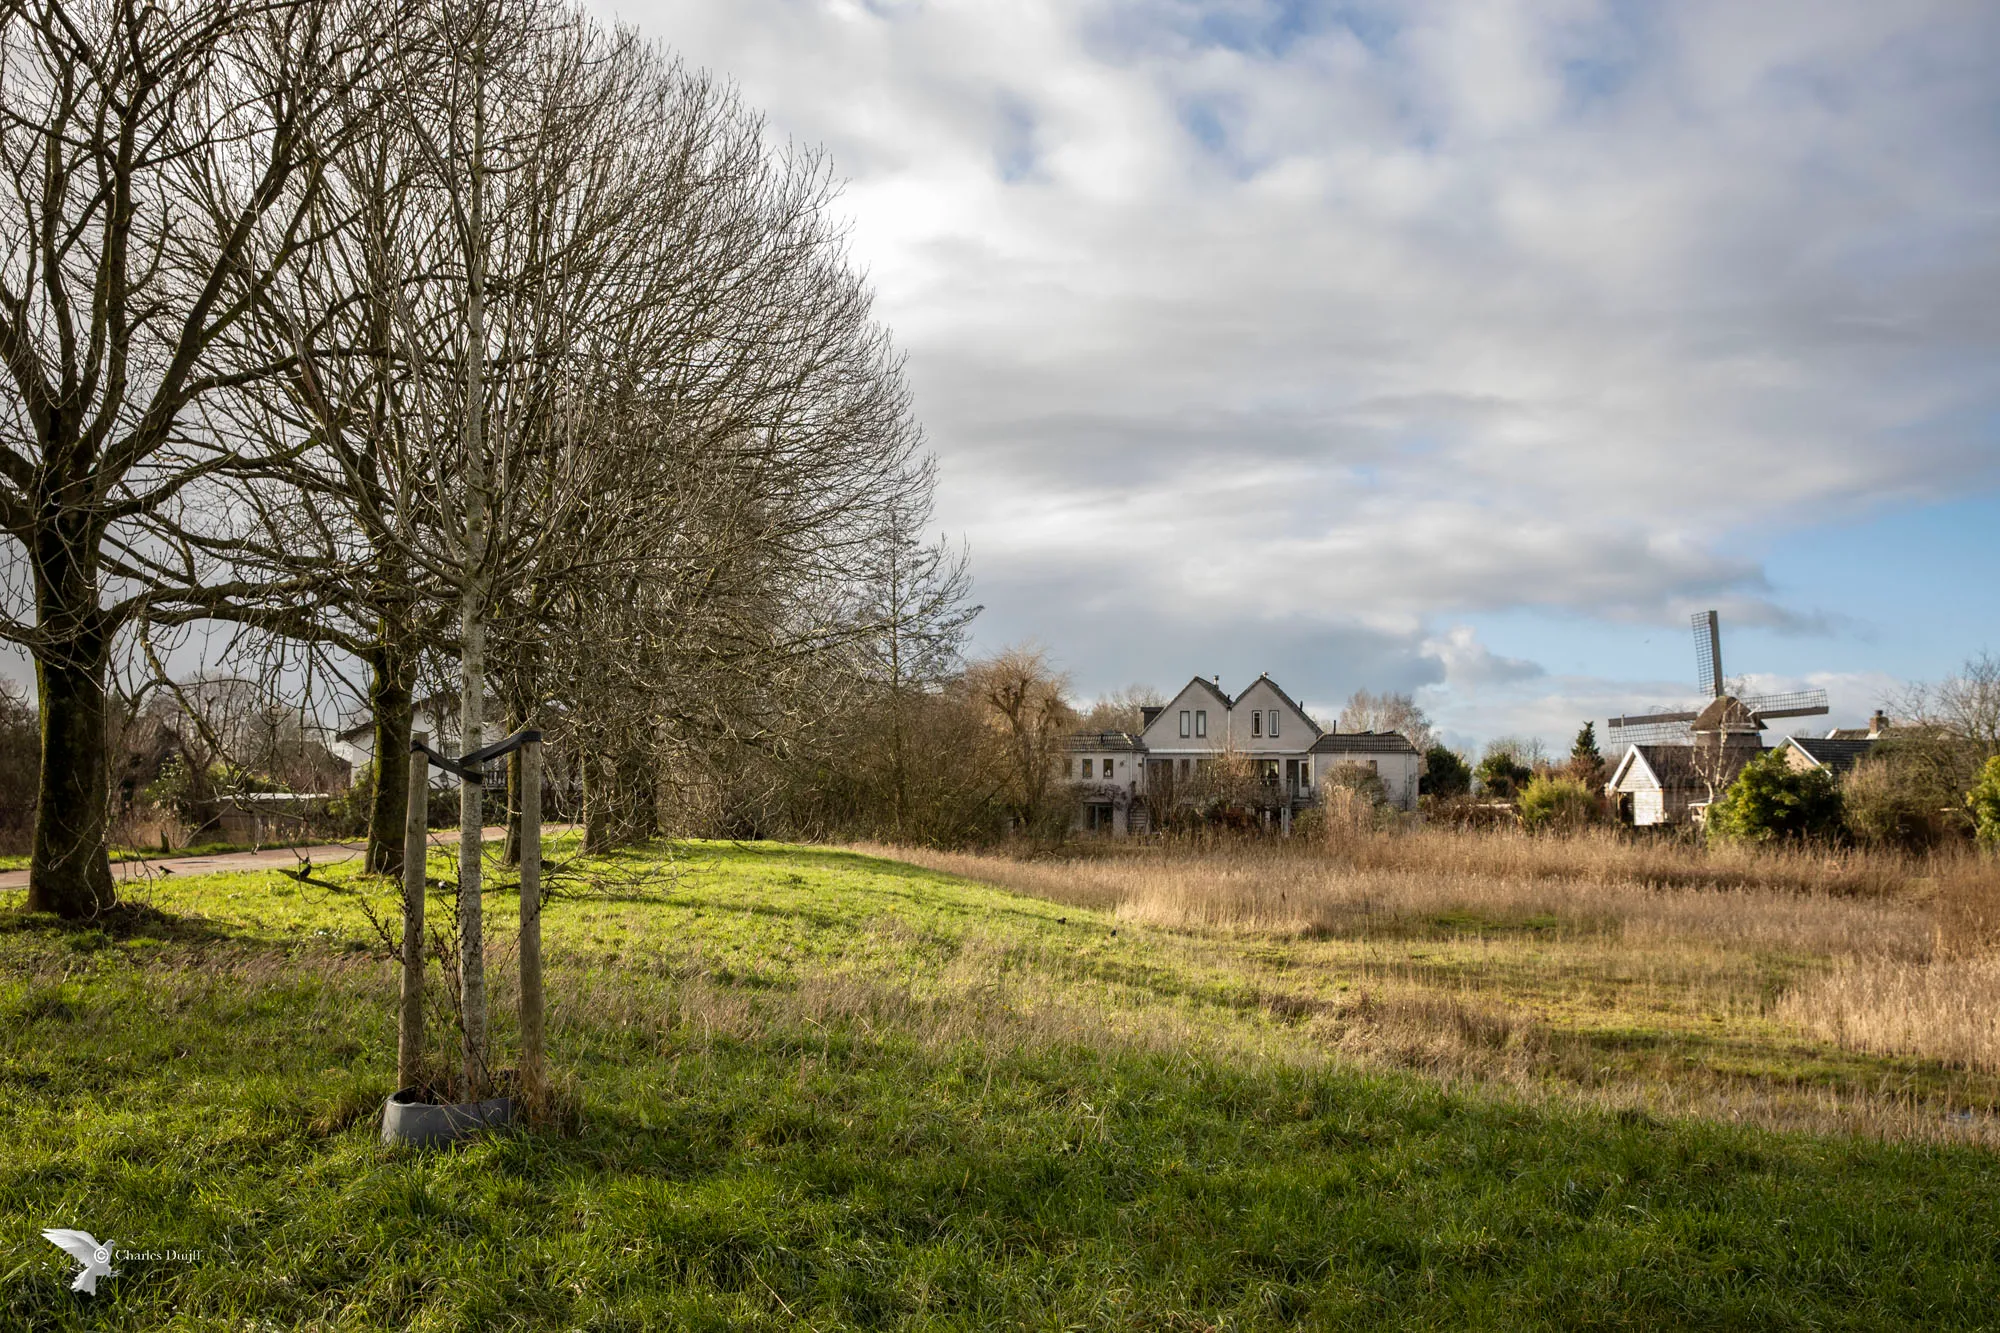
<point x="821" y="1090"/>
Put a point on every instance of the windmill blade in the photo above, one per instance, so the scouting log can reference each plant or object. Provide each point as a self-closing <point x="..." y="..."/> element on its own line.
<point x="1650" y="728"/>
<point x="1708" y="652"/>
<point x="1651" y="719"/>
<point x="1798" y="703"/>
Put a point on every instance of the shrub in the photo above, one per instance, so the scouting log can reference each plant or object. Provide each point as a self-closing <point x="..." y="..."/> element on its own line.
<point x="351" y="810"/>
<point x="1551" y="805"/>
<point x="1888" y="805"/>
<point x="1769" y="801"/>
<point x="1501" y="774"/>
<point x="185" y="792"/>
<point x="1984" y="802"/>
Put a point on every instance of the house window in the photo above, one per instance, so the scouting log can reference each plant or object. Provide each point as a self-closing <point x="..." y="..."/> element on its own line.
<point x="1184" y="768"/>
<point x="1274" y="722"/>
<point x="1305" y="772"/>
<point x="1257" y="723"/>
<point x="1184" y="723"/>
<point x="1201" y="722"/>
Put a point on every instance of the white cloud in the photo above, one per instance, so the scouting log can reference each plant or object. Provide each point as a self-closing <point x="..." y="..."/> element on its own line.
<point x="1339" y="326"/>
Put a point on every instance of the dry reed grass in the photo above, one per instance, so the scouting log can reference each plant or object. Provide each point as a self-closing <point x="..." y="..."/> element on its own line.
<point x="1806" y="904"/>
<point x="1946" y="1009"/>
<point x="1868" y="953"/>
<point x="1606" y="856"/>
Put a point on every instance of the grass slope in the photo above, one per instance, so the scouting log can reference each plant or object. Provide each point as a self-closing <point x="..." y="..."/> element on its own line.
<point x="821" y="1090"/>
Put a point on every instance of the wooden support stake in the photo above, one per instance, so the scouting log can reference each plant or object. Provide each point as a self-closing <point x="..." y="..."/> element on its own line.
<point x="416" y="840"/>
<point x="531" y="922"/>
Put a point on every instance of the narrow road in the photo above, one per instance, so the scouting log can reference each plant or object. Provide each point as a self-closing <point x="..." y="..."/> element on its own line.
<point x="324" y="854"/>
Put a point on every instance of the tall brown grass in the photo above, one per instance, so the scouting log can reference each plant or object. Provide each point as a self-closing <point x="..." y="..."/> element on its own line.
<point x="1881" y="953"/>
<point x="1803" y="902"/>
<point x="1942" y="1008"/>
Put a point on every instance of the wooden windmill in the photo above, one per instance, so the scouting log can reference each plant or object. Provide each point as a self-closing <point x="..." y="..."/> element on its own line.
<point x="1727" y="730"/>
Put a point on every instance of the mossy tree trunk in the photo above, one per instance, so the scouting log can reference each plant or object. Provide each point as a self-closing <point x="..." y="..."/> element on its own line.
<point x="70" y="870"/>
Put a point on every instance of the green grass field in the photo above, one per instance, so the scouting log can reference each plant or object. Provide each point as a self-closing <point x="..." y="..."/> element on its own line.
<point x="818" y="1090"/>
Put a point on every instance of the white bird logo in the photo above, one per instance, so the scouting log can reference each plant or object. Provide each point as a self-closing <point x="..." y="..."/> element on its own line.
<point x="83" y="1247"/>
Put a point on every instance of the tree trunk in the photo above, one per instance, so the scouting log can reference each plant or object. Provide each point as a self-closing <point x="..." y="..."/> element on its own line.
<point x="471" y="826"/>
<point x="531" y="924"/>
<point x="472" y="610"/>
<point x="410" y="1016"/>
<point x="599" y="817"/>
<point x="621" y="801"/>
<point x="70" y="871"/>
<point x="638" y="800"/>
<point x="515" y="768"/>
<point x="389" y="691"/>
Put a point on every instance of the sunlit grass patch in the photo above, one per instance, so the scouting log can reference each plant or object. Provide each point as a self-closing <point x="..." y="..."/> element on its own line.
<point x="821" y="1089"/>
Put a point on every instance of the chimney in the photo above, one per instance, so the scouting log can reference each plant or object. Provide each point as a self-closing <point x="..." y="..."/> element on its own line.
<point x="1877" y="724"/>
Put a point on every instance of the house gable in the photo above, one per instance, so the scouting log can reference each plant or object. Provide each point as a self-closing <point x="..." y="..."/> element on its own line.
<point x="1250" y="721"/>
<point x="1198" y="695"/>
<point x="1634" y="773"/>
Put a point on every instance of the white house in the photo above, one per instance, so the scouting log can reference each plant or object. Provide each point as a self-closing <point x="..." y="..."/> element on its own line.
<point x="436" y="717"/>
<point x="1123" y="777"/>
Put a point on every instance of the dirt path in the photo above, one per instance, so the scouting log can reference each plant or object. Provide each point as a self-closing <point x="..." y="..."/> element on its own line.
<point x="324" y="854"/>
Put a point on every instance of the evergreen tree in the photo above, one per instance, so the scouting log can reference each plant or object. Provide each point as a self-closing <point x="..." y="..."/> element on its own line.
<point x="1585" y="750"/>
<point x="1586" y="761"/>
<point x="1445" y="773"/>
<point x="1500" y="773"/>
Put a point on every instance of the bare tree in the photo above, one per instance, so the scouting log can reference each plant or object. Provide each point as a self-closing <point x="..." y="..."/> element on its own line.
<point x="1965" y="705"/>
<point x="1943" y="734"/>
<point x="918" y="613"/>
<point x="157" y="171"/>
<point x="1027" y="701"/>
<point x="1122" y="710"/>
<point x="1399" y="713"/>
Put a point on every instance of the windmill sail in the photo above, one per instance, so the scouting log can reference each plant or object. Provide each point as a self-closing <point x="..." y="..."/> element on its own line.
<point x="1660" y="728"/>
<point x="1708" y="652"/>
<point x="1796" y="703"/>
<point x="1721" y="713"/>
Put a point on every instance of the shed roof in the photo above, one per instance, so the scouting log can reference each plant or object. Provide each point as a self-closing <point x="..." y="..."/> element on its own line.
<point x="1669" y="767"/>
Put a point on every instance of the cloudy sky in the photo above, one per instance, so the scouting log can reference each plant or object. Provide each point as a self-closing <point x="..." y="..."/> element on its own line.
<point x="1458" y="347"/>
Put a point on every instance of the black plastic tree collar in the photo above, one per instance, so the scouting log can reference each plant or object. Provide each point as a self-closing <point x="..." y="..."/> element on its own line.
<point x="467" y="766"/>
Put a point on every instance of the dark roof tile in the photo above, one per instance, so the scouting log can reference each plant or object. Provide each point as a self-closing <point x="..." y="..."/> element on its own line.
<point x="1362" y="742"/>
<point x="1838" y="754"/>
